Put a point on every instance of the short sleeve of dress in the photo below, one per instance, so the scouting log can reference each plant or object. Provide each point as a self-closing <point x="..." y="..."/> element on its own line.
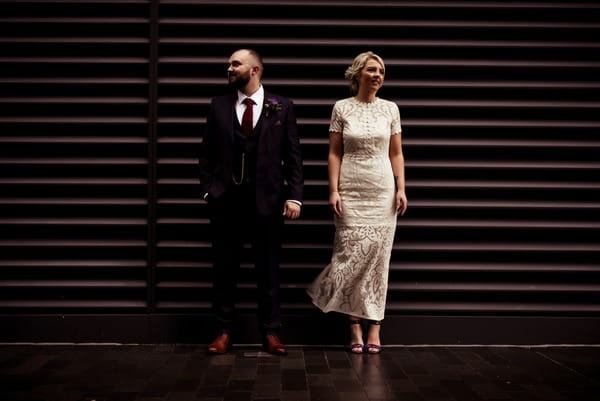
<point x="337" y="124"/>
<point x="395" y="127"/>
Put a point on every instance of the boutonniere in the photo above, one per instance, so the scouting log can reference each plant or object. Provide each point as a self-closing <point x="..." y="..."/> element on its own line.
<point x="271" y="105"/>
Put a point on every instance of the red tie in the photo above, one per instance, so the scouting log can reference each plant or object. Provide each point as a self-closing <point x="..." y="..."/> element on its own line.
<point x="247" y="116"/>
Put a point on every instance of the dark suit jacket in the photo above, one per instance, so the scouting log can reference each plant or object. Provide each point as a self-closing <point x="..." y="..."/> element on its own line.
<point x="279" y="162"/>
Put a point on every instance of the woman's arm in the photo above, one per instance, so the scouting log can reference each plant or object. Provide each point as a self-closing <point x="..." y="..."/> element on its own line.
<point x="334" y="162"/>
<point x="397" y="160"/>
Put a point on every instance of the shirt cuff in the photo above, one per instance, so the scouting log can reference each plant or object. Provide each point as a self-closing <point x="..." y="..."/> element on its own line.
<point x="295" y="201"/>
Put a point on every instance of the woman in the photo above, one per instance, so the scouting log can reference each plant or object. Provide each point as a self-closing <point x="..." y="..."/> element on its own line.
<point x="366" y="193"/>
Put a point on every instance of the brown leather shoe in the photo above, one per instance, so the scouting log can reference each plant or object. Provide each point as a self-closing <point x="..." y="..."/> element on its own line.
<point x="220" y="345"/>
<point x="273" y="345"/>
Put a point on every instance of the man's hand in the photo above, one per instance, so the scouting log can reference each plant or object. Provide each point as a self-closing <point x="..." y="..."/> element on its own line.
<point x="291" y="210"/>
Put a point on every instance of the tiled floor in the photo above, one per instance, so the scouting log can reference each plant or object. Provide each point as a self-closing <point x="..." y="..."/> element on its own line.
<point x="178" y="373"/>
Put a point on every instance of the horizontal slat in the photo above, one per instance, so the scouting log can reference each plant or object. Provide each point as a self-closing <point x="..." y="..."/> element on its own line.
<point x="431" y="246"/>
<point x="391" y="82"/>
<point x="83" y="1"/>
<point x="424" y="223"/>
<point x="434" y="203"/>
<point x="450" y="103"/>
<point x="74" y="20"/>
<point x="94" y="40"/>
<point x="451" y="143"/>
<point x="401" y="267"/>
<point x="74" y="60"/>
<point x="433" y="123"/>
<point x="409" y="141"/>
<point x="495" y="287"/>
<point x="440" y="184"/>
<point x="462" y="63"/>
<point x="426" y="267"/>
<point x="75" y="264"/>
<point x="84" y="221"/>
<point x="74" y="304"/>
<point x="438" y="223"/>
<point x="357" y="23"/>
<point x="439" y="164"/>
<point x="75" y="81"/>
<point x="423" y="307"/>
<point x="73" y="201"/>
<point x="75" y="161"/>
<point x="395" y="4"/>
<point x="330" y="42"/>
<point x="505" y="204"/>
<point x="493" y="307"/>
<point x="498" y="143"/>
<point x="72" y="100"/>
<point x="73" y="243"/>
<point x="74" y="181"/>
<point x="73" y="120"/>
<point x="420" y="287"/>
<point x="72" y="284"/>
<point x="70" y="139"/>
<point x="517" y="267"/>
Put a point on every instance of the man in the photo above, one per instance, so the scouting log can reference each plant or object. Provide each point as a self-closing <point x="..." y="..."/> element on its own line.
<point x="251" y="177"/>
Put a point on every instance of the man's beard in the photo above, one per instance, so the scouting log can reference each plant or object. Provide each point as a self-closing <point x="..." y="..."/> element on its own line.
<point x="240" y="80"/>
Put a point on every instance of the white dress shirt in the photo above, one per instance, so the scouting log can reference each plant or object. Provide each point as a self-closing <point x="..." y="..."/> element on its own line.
<point x="258" y="97"/>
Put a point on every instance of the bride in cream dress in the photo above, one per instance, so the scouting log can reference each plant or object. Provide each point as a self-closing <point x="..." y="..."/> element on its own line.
<point x="366" y="186"/>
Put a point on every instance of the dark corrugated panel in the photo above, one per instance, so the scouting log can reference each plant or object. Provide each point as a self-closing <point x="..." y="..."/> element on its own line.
<point x="500" y="107"/>
<point x="73" y="156"/>
<point x="500" y="110"/>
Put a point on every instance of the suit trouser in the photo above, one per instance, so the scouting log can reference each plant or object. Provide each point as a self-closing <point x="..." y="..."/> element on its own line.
<point x="234" y="221"/>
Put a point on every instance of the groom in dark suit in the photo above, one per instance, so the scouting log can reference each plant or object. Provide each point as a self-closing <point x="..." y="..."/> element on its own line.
<point x="251" y="177"/>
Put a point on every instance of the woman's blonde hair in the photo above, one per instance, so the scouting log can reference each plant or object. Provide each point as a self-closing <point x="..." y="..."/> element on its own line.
<point x="357" y="65"/>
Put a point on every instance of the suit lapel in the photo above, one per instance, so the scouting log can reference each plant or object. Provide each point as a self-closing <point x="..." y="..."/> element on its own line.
<point x="267" y="121"/>
<point x="232" y="116"/>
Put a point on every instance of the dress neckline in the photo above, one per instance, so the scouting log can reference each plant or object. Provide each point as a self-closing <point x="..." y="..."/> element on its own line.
<point x="365" y="103"/>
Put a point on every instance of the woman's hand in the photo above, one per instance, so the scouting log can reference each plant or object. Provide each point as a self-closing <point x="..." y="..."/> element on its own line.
<point x="335" y="203"/>
<point x="401" y="203"/>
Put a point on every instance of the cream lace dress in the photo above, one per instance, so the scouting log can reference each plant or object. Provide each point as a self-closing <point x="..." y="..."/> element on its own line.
<point x="356" y="280"/>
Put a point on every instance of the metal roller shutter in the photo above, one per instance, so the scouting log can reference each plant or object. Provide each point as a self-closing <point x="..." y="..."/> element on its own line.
<point x="102" y="106"/>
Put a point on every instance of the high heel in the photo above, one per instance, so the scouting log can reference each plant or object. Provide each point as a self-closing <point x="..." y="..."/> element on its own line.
<point x="373" y="349"/>
<point x="356" y="348"/>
